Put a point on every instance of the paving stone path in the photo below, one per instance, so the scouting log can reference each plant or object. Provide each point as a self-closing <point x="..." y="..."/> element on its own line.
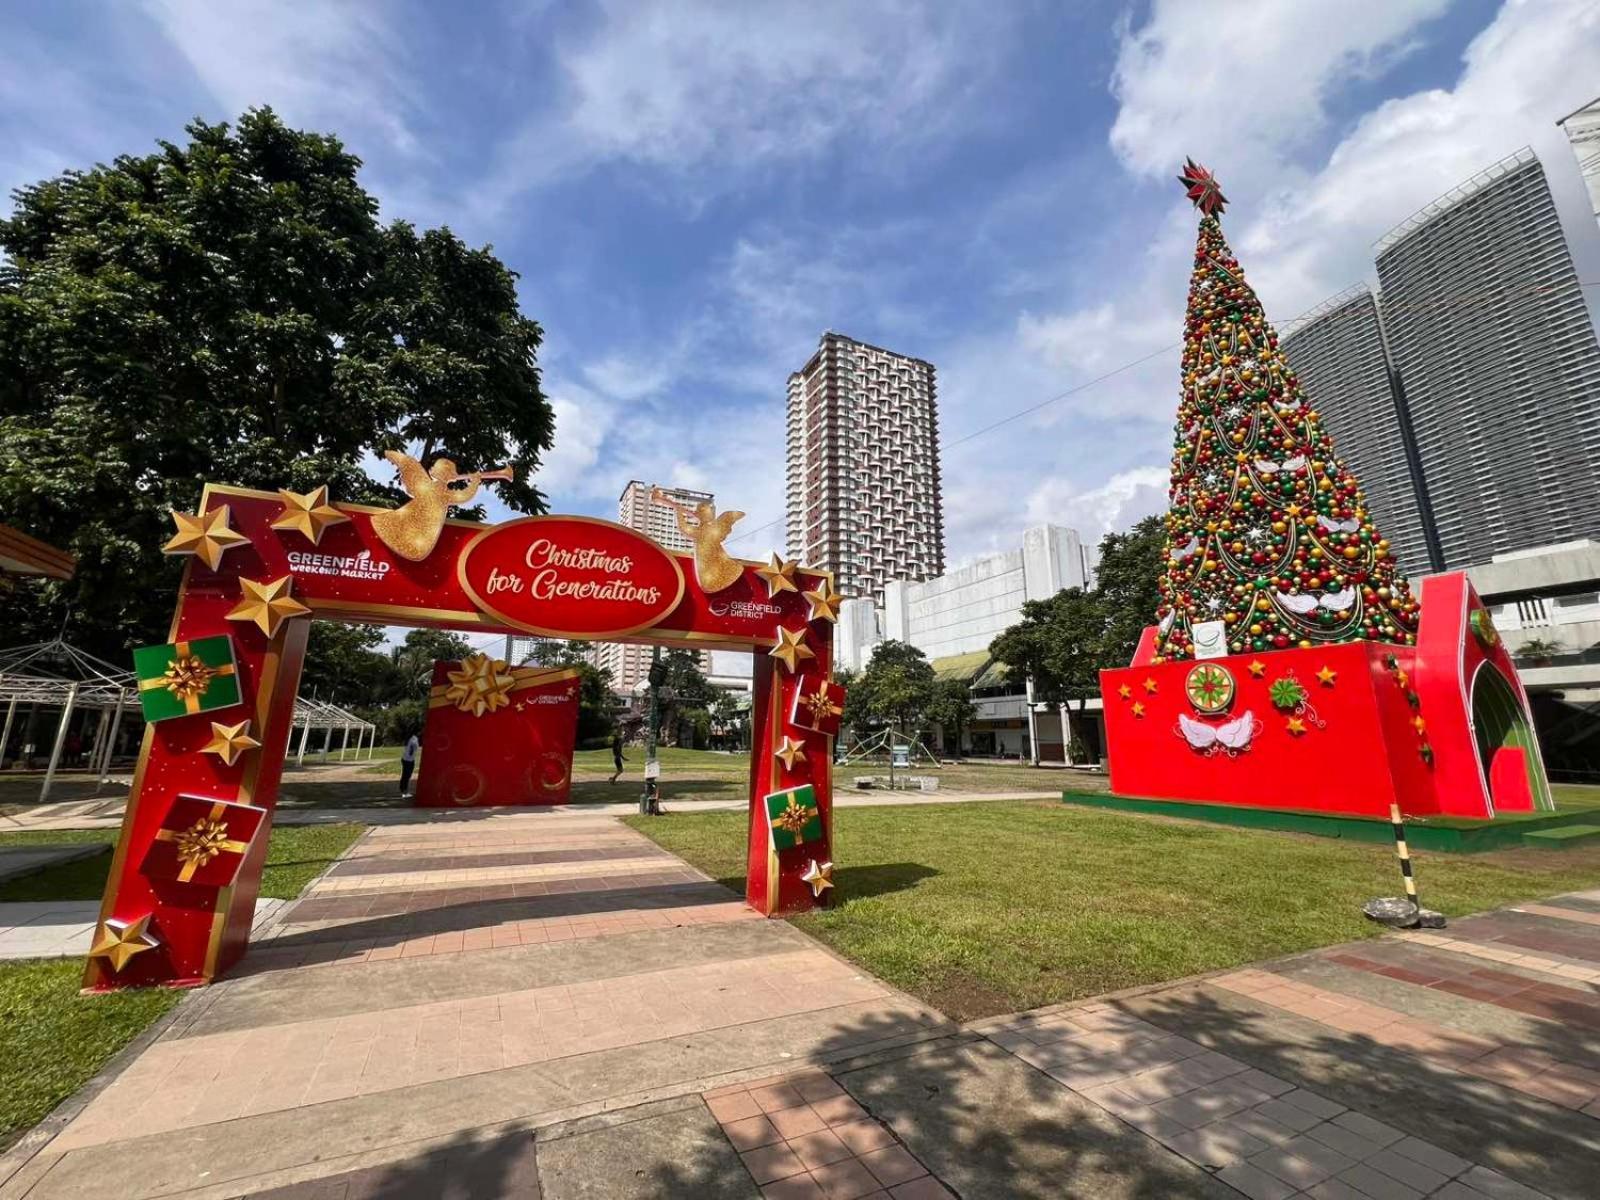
<point x="548" y="1005"/>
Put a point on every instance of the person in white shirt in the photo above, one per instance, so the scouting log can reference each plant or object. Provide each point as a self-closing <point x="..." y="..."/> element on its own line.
<point x="408" y="763"/>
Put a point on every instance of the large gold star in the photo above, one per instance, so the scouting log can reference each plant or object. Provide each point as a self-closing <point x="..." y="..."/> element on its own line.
<point x="791" y="648"/>
<point x="120" y="941"/>
<point x="1327" y="675"/>
<point x="779" y="576"/>
<point x="308" y="514"/>
<point x="207" y="536"/>
<point x="792" y="750"/>
<point x="819" y="876"/>
<point x="824" y="601"/>
<point x="269" y="604"/>
<point x="228" y="742"/>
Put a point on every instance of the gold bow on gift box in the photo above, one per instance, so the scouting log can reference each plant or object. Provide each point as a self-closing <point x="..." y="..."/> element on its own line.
<point x="482" y="685"/>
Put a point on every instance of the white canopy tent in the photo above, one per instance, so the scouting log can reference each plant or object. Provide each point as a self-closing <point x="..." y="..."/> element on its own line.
<point x="319" y="714"/>
<point x="55" y="674"/>
<point x="58" y="675"/>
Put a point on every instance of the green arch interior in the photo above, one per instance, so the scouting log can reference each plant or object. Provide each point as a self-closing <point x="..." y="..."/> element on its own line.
<point x="1498" y="721"/>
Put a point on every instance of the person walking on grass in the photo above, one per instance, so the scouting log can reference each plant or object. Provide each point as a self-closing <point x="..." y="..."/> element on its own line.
<point x="408" y="763"/>
<point x="616" y="755"/>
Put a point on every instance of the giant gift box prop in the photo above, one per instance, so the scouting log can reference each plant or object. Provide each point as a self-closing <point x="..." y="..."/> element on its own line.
<point x="498" y="735"/>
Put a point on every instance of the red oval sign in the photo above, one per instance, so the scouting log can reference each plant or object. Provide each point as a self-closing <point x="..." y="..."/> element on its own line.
<point x="570" y="577"/>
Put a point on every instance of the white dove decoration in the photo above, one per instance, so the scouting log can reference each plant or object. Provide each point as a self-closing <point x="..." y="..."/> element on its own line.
<point x="1299" y="602"/>
<point x="1183" y="552"/>
<point x="1329" y="523"/>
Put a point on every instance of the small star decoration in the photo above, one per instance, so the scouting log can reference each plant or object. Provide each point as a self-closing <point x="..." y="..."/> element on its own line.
<point x="1295" y="726"/>
<point x="791" y="648"/>
<point x="1327" y="675"/>
<point x="120" y="941"/>
<point x="819" y="876"/>
<point x="779" y="576"/>
<point x="207" y="536"/>
<point x="1150" y="686"/>
<point x="1138" y="709"/>
<point x="267" y="603"/>
<point x="1258" y="668"/>
<point x="309" y="514"/>
<point x="792" y="750"/>
<point x="228" y="742"/>
<point x="1125" y="691"/>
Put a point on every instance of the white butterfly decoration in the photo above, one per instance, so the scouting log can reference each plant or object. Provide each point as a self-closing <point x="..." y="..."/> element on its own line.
<point x="1329" y="523"/>
<point x="1231" y="736"/>
<point x="1263" y="467"/>
<point x="1305" y="602"/>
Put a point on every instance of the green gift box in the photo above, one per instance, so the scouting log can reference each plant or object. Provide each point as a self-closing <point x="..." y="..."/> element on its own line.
<point x="793" y="818"/>
<point x="186" y="677"/>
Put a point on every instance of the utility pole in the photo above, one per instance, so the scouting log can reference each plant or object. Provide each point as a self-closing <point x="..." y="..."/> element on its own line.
<point x="650" y="798"/>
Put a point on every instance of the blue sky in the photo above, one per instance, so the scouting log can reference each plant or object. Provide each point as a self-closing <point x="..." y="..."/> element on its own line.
<point x="693" y="192"/>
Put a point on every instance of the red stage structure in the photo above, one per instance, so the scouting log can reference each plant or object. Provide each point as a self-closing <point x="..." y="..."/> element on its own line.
<point x="498" y="734"/>
<point x="264" y="565"/>
<point x="1291" y="666"/>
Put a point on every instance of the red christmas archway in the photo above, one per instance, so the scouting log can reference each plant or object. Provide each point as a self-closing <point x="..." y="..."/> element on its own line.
<point x="219" y="696"/>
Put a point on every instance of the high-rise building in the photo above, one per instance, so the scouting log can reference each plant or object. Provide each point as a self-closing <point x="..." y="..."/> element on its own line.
<point x="649" y="508"/>
<point x="1487" y="328"/>
<point x="1583" y="132"/>
<point x="863" y="466"/>
<point x="1337" y="352"/>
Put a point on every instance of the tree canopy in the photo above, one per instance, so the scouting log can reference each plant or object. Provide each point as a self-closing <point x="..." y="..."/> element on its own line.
<point x="896" y="686"/>
<point x="231" y="309"/>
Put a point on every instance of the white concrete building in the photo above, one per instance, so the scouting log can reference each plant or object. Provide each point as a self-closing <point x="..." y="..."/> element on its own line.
<point x="953" y="618"/>
<point x="1583" y="132"/>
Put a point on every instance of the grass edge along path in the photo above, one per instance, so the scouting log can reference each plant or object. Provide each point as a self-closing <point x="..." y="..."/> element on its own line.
<point x="998" y="907"/>
<point x="53" y="1040"/>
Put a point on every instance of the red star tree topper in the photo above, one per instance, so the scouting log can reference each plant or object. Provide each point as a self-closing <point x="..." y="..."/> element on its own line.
<point x="1267" y="531"/>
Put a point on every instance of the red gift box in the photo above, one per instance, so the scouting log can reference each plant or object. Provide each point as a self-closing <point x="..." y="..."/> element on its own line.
<point x="498" y="735"/>
<point x="818" y="706"/>
<point x="202" y="841"/>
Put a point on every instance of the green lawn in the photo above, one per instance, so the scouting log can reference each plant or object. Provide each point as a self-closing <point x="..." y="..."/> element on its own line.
<point x="699" y="775"/>
<point x="52" y="1040"/>
<point x="997" y="907"/>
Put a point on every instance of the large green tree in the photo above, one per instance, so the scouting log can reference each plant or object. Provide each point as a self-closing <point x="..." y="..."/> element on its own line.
<point x="231" y="309"/>
<point x="1127" y="581"/>
<point x="897" y="685"/>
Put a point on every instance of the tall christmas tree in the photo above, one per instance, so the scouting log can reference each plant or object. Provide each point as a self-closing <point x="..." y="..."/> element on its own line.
<point x="1269" y="543"/>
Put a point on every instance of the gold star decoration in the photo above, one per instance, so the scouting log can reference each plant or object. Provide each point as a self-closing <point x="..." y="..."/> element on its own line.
<point x="1420" y="724"/>
<point x="779" y="576"/>
<point x="1138" y="709"/>
<point x="792" y="750"/>
<point x="1150" y="686"/>
<point x="790" y="648"/>
<point x="1125" y="691"/>
<point x="308" y="514"/>
<point x="268" y="604"/>
<point x="819" y="876"/>
<point x="120" y="941"/>
<point x="207" y="536"/>
<point x="1258" y="668"/>
<point x="824" y="601"/>
<point x="1295" y="726"/>
<point x="1327" y="675"/>
<point x="228" y="742"/>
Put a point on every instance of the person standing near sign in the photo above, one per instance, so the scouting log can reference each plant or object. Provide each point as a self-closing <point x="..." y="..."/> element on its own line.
<point x="616" y="755"/>
<point x="408" y="763"/>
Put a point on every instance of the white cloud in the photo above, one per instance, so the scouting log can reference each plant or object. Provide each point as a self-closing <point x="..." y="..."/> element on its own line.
<point x="710" y="95"/>
<point x="1127" y="497"/>
<point x="1243" y="79"/>
<point x="322" y="66"/>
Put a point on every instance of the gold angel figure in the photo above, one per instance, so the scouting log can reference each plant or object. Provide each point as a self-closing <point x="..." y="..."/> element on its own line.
<point x="413" y="529"/>
<point x="713" y="566"/>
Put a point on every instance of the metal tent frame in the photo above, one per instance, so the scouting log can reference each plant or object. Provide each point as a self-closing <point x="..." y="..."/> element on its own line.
<point x="58" y="674"/>
<point x="319" y="714"/>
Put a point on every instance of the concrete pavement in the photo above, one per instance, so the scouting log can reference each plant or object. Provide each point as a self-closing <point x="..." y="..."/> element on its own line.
<point x="547" y="1004"/>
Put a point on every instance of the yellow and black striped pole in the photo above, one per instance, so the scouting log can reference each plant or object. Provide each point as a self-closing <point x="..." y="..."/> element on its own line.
<point x="1404" y="852"/>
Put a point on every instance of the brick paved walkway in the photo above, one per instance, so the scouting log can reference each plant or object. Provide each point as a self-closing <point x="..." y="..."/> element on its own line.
<point x="547" y="1005"/>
